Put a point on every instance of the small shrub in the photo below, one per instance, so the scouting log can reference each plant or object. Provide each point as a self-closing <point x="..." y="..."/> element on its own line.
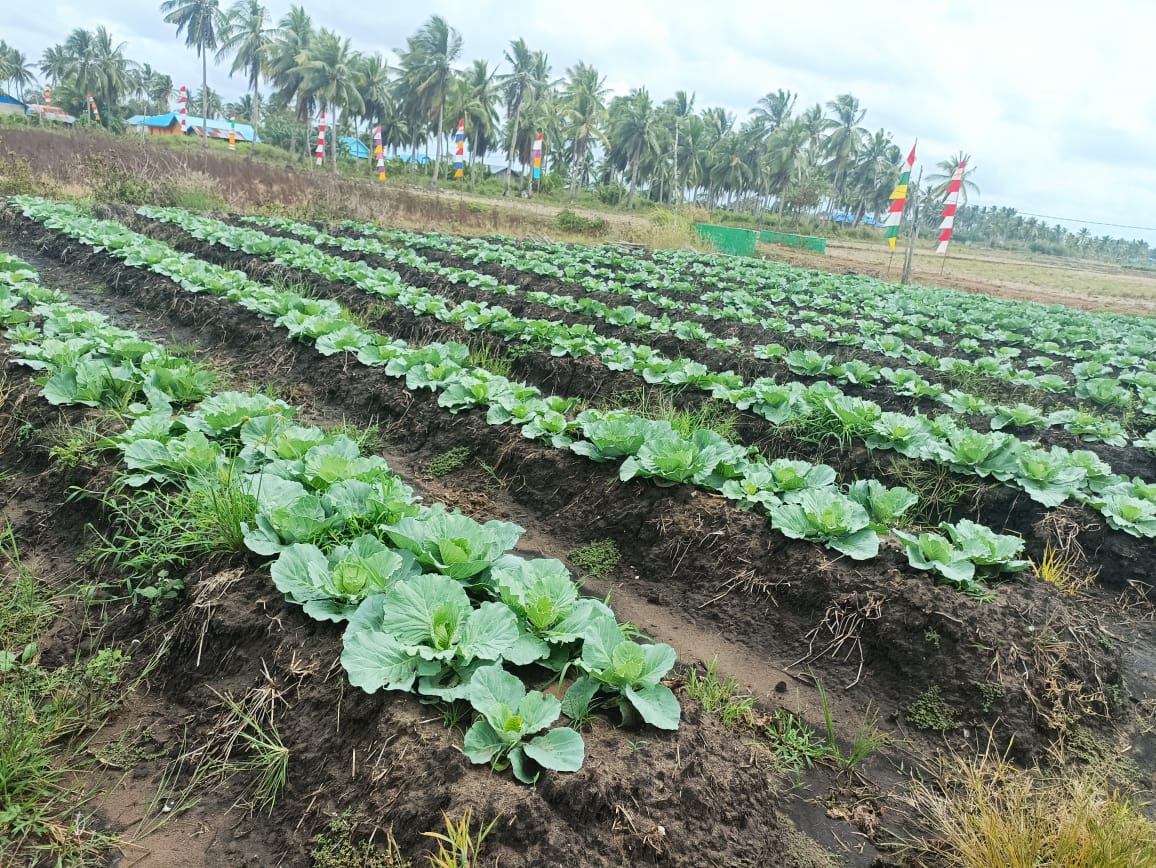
<point x="597" y="559"/>
<point x="568" y="221"/>
<point x="16" y="178"/>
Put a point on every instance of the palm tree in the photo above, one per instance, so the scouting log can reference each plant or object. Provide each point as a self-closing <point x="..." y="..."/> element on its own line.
<point x="112" y="67"/>
<point x="785" y="149"/>
<point x="480" y="109"/>
<point x="248" y="37"/>
<point x="15" y="68"/>
<point x="200" y="21"/>
<point x="584" y="111"/>
<point x="329" y="75"/>
<point x="433" y="51"/>
<point x="939" y="180"/>
<point x="517" y="85"/>
<point x="844" y="139"/>
<point x="159" y="91"/>
<point x="773" y="110"/>
<point x="633" y="132"/>
<point x="291" y="44"/>
<point x="679" y="107"/>
<point x="54" y="63"/>
<point x="210" y="100"/>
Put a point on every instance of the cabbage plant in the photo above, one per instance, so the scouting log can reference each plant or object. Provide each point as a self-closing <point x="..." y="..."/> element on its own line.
<point x="505" y="733"/>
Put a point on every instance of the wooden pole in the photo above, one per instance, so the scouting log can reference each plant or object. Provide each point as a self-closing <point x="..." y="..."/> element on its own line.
<point x="913" y="235"/>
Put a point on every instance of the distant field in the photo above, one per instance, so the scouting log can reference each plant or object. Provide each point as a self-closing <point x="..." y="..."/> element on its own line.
<point x="1094" y="286"/>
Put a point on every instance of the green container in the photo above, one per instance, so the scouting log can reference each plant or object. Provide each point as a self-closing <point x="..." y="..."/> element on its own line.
<point x="726" y="239"/>
<point x="808" y="242"/>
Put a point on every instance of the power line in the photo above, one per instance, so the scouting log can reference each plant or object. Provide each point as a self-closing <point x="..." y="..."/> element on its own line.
<point x="1088" y="222"/>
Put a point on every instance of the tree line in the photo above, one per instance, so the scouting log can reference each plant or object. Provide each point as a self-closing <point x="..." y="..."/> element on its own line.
<point x="781" y="158"/>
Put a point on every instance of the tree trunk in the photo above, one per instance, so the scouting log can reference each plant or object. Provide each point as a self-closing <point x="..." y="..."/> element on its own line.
<point x="473" y="160"/>
<point x="205" y="99"/>
<point x="256" y="120"/>
<point x="441" y="126"/>
<point x="333" y="138"/>
<point x="674" y="183"/>
<point x="513" y="145"/>
<point x="633" y="183"/>
<point x="579" y="159"/>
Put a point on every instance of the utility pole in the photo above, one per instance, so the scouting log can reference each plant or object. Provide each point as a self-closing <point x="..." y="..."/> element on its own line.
<point x="913" y="233"/>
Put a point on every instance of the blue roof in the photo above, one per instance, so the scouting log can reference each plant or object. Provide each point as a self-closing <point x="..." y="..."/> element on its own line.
<point x="221" y="125"/>
<point x="356" y="148"/>
<point x="10" y="100"/>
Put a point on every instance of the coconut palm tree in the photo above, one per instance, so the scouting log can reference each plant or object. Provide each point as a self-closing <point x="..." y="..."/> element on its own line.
<point x="634" y="132"/>
<point x="15" y="68"/>
<point x="773" y="110"/>
<point x="209" y="100"/>
<point x="433" y="51"/>
<point x="946" y="168"/>
<point x="678" y="108"/>
<point x="329" y="75"/>
<point x="480" y="109"/>
<point x="248" y="37"/>
<point x="517" y="85"/>
<point x="785" y="148"/>
<point x="201" y="21"/>
<point x="843" y="140"/>
<point x="290" y="45"/>
<point x="54" y="63"/>
<point x="584" y="113"/>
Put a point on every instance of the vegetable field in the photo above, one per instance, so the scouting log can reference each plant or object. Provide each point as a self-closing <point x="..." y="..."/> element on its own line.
<point x="653" y="557"/>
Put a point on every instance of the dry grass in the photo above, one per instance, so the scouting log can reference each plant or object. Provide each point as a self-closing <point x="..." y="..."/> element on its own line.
<point x="986" y="812"/>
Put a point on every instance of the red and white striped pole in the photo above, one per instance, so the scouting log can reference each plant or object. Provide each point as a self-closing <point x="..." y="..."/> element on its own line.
<point x="950" y="203"/>
<point x="321" y="140"/>
<point x="184" y="98"/>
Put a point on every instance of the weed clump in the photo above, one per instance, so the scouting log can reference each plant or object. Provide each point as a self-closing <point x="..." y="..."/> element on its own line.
<point x="568" y="221"/>
<point x="929" y="711"/>
<point x="597" y="559"/>
<point x="450" y="461"/>
<point x="335" y="847"/>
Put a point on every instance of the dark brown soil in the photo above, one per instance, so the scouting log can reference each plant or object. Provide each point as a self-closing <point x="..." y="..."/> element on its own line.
<point x="694" y="572"/>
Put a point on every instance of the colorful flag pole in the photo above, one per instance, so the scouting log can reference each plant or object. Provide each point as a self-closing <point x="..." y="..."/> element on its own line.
<point x="232" y="132"/>
<point x="47" y="96"/>
<point x="899" y="201"/>
<point x="92" y="107"/>
<point x="538" y="157"/>
<point x="950" y="203"/>
<point x="183" y="110"/>
<point x="321" y="140"/>
<point x="460" y="163"/>
<point x="379" y="151"/>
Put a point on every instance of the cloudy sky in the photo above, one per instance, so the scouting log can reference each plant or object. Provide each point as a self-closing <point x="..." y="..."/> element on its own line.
<point x="1054" y="100"/>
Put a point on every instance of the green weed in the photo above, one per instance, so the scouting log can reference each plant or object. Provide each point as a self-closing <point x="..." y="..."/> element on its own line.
<point x="721" y="697"/>
<point x="596" y="559"/>
<point x="42" y="711"/>
<point x="335" y="847"/>
<point x="929" y="711"/>
<point x="450" y="461"/>
<point x="156" y="531"/>
<point x="490" y="358"/>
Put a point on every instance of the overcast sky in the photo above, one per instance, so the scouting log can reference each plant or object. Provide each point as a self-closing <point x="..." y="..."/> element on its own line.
<point x="1055" y="100"/>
